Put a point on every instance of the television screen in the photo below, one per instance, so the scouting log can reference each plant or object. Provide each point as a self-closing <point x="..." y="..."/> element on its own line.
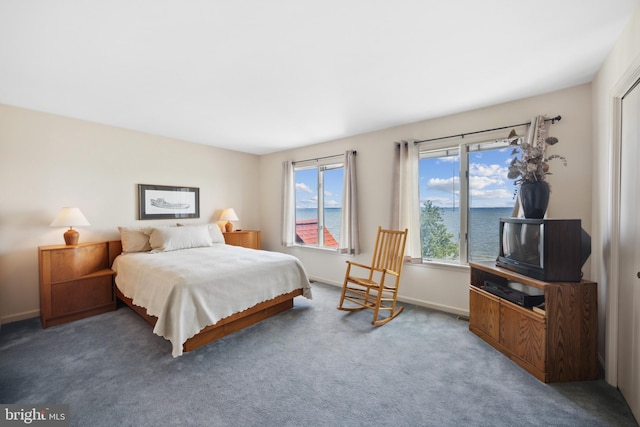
<point x="523" y="242"/>
<point x="553" y="250"/>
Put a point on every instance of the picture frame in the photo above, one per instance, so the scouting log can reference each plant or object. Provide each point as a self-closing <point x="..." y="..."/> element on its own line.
<point x="168" y="202"/>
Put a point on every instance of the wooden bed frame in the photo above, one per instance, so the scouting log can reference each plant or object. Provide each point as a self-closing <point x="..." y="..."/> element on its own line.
<point x="223" y="327"/>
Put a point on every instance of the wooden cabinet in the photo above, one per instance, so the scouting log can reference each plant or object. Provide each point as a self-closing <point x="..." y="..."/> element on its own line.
<point x="75" y="282"/>
<point x="559" y="344"/>
<point x="247" y="238"/>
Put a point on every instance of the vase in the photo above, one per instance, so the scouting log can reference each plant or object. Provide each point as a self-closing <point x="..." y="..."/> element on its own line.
<point x="534" y="198"/>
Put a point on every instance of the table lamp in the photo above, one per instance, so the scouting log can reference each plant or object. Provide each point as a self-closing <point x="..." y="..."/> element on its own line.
<point x="228" y="215"/>
<point x="70" y="217"/>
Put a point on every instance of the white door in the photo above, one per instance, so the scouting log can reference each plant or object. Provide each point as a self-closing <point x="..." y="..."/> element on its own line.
<point x="629" y="262"/>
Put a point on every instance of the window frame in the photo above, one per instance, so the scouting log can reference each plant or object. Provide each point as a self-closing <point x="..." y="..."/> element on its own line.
<point x="464" y="150"/>
<point x="321" y="165"/>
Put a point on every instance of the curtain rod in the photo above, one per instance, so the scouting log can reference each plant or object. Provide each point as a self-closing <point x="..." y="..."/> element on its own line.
<point x="321" y="158"/>
<point x="553" y="120"/>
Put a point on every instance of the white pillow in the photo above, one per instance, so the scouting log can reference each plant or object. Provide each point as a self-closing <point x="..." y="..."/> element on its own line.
<point x="176" y="238"/>
<point x="134" y="239"/>
<point x="214" y="231"/>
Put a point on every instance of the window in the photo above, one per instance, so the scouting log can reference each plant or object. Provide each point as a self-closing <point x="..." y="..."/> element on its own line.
<point x="318" y="201"/>
<point x="464" y="190"/>
<point x="439" y="173"/>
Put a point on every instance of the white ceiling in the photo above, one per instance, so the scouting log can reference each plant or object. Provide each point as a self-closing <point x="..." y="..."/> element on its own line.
<point x="262" y="76"/>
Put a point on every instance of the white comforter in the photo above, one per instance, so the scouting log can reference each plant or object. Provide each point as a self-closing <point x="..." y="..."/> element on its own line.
<point x="190" y="289"/>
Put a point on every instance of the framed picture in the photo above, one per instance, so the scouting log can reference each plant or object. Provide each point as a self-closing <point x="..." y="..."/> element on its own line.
<point x="167" y="202"/>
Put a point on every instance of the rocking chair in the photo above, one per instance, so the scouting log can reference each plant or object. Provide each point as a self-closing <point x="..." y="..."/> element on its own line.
<point x="378" y="288"/>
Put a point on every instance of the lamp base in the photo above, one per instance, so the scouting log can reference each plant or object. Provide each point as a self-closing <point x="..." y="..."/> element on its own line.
<point x="228" y="227"/>
<point x="71" y="237"/>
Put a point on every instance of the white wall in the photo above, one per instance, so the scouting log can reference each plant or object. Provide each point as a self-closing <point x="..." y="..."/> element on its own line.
<point x="444" y="288"/>
<point x="621" y="63"/>
<point x="48" y="161"/>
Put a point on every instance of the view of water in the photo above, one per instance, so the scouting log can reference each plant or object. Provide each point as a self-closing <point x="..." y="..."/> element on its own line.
<point x="483" y="239"/>
<point x="484" y="229"/>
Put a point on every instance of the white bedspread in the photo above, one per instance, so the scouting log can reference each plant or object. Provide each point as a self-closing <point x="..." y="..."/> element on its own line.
<point x="190" y="289"/>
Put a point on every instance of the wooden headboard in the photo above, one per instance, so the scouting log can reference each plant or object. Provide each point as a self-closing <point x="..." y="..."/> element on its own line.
<point x="115" y="249"/>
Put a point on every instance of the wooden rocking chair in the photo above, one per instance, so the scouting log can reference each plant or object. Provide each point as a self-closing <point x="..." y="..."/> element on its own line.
<point x="378" y="289"/>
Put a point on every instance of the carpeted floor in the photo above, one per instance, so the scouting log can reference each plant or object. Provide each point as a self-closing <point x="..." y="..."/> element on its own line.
<point x="311" y="366"/>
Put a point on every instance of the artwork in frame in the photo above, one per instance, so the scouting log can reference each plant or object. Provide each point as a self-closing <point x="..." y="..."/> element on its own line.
<point x="168" y="202"/>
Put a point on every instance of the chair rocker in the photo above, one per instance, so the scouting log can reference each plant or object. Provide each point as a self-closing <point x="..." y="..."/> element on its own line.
<point x="376" y="285"/>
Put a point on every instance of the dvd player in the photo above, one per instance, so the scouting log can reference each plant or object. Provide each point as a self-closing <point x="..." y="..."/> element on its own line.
<point x="517" y="297"/>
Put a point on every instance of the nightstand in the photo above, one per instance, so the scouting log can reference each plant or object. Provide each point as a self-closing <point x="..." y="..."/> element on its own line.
<point x="247" y="238"/>
<point x="76" y="281"/>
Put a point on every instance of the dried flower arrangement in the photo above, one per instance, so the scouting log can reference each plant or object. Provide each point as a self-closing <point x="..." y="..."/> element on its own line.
<point x="533" y="165"/>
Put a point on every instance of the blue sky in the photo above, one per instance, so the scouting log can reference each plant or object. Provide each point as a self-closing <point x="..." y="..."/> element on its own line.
<point x="439" y="182"/>
<point x="307" y="188"/>
<point x="488" y="182"/>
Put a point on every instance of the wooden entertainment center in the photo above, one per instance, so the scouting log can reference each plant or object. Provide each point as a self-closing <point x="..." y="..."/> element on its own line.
<point x="556" y="345"/>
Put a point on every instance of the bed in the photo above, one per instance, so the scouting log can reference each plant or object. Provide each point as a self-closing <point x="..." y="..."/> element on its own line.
<point x="193" y="288"/>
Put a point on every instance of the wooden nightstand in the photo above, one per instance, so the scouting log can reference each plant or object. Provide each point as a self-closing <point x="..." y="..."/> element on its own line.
<point x="247" y="238"/>
<point x="75" y="282"/>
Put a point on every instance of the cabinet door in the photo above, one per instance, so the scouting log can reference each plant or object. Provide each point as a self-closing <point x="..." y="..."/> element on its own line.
<point x="251" y="240"/>
<point x="248" y="239"/>
<point x="484" y="312"/>
<point x="71" y="262"/>
<point x="81" y="295"/>
<point x="524" y="334"/>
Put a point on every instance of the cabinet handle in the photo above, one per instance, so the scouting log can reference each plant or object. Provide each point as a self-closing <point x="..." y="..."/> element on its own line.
<point x="638" y="274"/>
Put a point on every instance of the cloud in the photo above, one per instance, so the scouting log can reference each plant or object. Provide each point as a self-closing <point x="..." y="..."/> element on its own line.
<point x="492" y="194"/>
<point x="488" y="186"/>
<point x="306" y="203"/>
<point x="480" y="182"/>
<point x="444" y="184"/>
<point x="301" y="186"/>
<point x="487" y="170"/>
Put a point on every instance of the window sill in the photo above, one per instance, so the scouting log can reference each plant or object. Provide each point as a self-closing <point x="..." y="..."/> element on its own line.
<point x="441" y="265"/>
<point x="317" y="248"/>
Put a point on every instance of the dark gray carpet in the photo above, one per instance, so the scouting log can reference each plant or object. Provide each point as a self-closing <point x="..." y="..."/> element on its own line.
<point x="311" y="366"/>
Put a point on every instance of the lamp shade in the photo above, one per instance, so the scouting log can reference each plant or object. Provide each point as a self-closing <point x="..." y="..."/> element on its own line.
<point x="228" y="215"/>
<point x="70" y="217"/>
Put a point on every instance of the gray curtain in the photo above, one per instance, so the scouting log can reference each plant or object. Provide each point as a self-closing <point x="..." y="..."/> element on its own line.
<point x="406" y="198"/>
<point x="349" y="235"/>
<point x="288" y="204"/>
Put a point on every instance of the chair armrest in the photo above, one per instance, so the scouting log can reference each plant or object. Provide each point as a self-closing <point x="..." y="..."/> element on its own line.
<point x="368" y="267"/>
<point x="357" y="264"/>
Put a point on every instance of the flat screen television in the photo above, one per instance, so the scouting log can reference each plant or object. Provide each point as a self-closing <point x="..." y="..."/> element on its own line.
<point x="553" y="250"/>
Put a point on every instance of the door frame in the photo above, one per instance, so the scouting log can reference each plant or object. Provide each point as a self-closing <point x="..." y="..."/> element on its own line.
<point x="625" y="83"/>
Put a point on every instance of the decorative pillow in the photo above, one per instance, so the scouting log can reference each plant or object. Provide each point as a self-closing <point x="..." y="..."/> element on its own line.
<point x="214" y="231"/>
<point x="175" y="238"/>
<point x="134" y="239"/>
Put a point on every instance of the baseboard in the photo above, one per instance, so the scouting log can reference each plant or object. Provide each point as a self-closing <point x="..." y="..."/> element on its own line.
<point x="421" y="303"/>
<point x="601" y="366"/>
<point x="20" y="316"/>
<point x="323" y="280"/>
<point x="438" y="307"/>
